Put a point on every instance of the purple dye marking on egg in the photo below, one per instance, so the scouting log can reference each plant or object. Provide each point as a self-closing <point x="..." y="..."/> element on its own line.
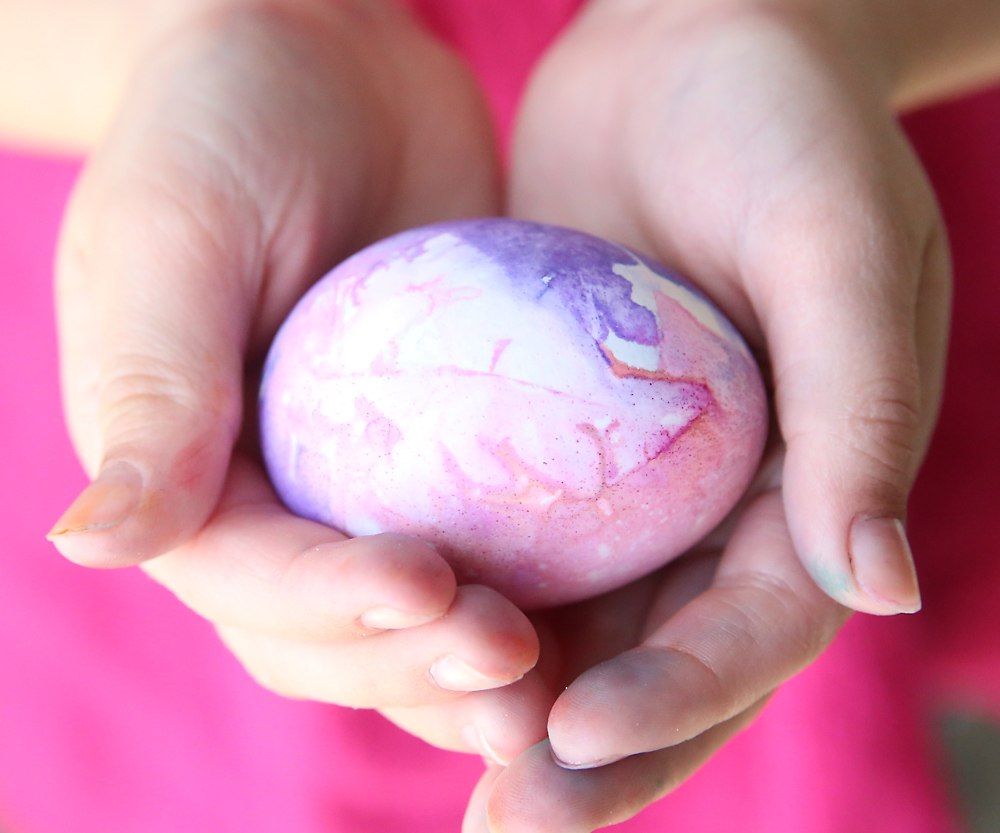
<point x="556" y="413"/>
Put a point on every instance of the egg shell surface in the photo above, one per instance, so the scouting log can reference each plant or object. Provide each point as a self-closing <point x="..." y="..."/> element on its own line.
<point x="555" y="413"/>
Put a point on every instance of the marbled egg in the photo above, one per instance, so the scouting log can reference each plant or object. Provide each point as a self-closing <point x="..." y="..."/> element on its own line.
<point x="556" y="413"/>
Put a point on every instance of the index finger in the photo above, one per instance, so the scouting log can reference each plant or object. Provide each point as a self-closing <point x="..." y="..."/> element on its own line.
<point x="534" y="793"/>
<point x="762" y="620"/>
<point x="256" y="567"/>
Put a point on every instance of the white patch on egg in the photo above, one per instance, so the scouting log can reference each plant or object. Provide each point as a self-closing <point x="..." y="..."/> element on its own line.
<point x="644" y="280"/>
<point x="363" y="524"/>
<point x="675" y="420"/>
<point x="641" y="356"/>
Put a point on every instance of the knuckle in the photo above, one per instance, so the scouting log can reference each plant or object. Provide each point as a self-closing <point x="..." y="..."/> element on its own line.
<point x="804" y="630"/>
<point x="881" y="424"/>
<point x="142" y="389"/>
<point x="710" y="680"/>
<point x="888" y="403"/>
<point x="875" y="426"/>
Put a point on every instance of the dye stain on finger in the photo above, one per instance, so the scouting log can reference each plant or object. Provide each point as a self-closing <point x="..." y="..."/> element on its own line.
<point x="556" y="413"/>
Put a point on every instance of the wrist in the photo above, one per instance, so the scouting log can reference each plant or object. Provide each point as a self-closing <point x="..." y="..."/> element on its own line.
<point x="901" y="52"/>
<point x="917" y="50"/>
<point x="66" y="63"/>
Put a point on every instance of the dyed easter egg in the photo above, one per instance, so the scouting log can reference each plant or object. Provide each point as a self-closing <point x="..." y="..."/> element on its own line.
<point x="555" y="413"/>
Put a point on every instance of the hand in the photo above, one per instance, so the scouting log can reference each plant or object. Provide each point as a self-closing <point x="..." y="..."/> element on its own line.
<point x="660" y="674"/>
<point x="755" y="154"/>
<point x="259" y="145"/>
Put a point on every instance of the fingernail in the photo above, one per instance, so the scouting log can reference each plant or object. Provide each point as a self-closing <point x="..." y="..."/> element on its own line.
<point x="584" y="765"/>
<point x="475" y="739"/>
<point x="104" y="504"/>
<point x="452" y="674"/>
<point x="388" y="618"/>
<point x="883" y="564"/>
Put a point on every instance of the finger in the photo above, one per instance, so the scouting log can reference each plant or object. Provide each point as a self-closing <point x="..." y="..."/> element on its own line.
<point x="258" y="568"/>
<point x="855" y="312"/>
<point x="173" y="228"/>
<point x="483" y="642"/>
<point x="162" y="361"/>
<point x="497" y="725"/>
<point x="475" y="820"/>
<point x="760" y="622"/>
<point x="536" y="795"/>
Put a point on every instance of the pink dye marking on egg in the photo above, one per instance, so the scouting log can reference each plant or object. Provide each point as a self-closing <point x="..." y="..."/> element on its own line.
<point x="501" y="345"/>
<point x="556" y="413"/>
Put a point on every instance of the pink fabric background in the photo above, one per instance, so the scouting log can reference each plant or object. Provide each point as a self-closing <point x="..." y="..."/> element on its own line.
<point x="120" y="711"/>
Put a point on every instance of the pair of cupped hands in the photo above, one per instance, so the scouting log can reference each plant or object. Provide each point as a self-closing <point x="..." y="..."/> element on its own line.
<point x="755" y="153"/>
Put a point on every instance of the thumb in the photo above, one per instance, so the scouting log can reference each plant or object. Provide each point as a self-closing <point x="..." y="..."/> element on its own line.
<point x="158" y="269"/>
<point x="857" y="339"/>
<point x="242" y="162"/>
<point x="152" y="326"/>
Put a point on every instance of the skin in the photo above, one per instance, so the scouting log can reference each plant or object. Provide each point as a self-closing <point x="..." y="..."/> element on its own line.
<point x="241" y="149"/>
